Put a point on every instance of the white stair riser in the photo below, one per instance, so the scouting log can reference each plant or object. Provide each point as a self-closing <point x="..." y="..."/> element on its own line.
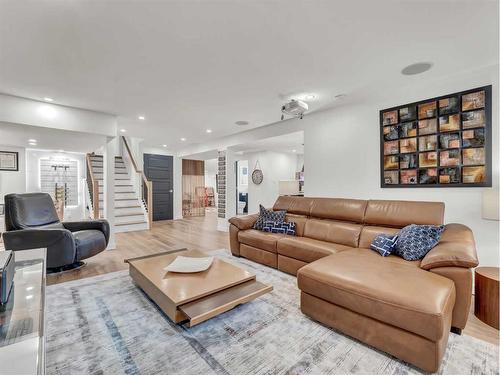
<point x="119" y="195"/>
<point x="120" y="189"/>
<point x="128" y="202"/>
<point x="127" y="211"/>
<point x="118" y="183"/>
<point x="117" y="176"/>
<point x="130" y="218"/>
<point x="131" y="228"/>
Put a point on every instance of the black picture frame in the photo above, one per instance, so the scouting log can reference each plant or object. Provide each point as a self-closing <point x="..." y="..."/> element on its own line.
<point x="445" y="175"/>
<point x="16" y="158"/>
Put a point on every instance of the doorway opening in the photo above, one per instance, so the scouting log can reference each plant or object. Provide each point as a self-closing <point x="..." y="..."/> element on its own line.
<point x="242" y="187"/>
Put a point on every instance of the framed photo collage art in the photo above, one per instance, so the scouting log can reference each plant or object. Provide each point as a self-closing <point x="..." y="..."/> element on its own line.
<point x="438" y="142"/>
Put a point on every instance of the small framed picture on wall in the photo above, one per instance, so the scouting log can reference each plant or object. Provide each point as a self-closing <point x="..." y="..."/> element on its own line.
<point x="9" y="161"/>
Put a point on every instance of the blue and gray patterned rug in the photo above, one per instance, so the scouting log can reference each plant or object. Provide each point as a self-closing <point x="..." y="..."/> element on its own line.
<point x="106" y="325"/>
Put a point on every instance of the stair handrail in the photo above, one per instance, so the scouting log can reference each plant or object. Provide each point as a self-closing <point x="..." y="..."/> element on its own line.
<point x="146" y="186"/>
<point x="93" y="186"/>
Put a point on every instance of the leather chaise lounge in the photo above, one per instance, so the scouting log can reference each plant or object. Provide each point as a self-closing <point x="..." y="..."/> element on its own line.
<point x="403" y="308"/>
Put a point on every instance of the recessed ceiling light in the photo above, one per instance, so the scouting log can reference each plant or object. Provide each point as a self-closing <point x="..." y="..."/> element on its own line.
<point x="294" y="150"/>
<point x="183" y="139"/>
<point x="209" y="130"/>
<point x="32" y="143"/>
<point x="47" y="99"/>
<point x="141" y="118"/>
<point x="241" y="123"/>
<point x="309" y="97"/>
<point x="164" y="145"/>
<point x="123" y="130"/>
<point x="416" y="68"/>
<point x="32" y="140"/>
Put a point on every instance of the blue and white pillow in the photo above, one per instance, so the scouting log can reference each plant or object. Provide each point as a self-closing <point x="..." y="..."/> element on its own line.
<point x="274" y="227"/>
<point x="384" y="244"/>
<point x="268" y="215"/>
<point x="415" y="241"/>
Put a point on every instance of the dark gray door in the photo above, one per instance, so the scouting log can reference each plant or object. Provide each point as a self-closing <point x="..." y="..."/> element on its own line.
<point x="159" y="169"/>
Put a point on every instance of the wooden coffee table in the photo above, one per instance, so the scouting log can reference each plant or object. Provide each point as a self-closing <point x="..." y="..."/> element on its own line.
<point x="194" y="297"/>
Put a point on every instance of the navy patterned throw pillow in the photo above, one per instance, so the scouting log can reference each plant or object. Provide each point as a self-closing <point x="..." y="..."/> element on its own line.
<point x="384" y="244"/>
<point x="268" y="215"/>
<point x="274" y="227"/>
<point x="415" y="241"/>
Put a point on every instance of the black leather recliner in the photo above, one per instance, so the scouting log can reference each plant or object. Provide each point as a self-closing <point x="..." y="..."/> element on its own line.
<point x="31" y="222"/>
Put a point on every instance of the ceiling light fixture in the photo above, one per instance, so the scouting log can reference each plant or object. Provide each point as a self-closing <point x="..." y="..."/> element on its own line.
<point x="47" y="99"/>
<point x="241" y="123"/>
<point x="416" y="68"/>
<point x="32" y="140"/>
<point x="32" y="143"/>
<point x="294" y="150"/>
<point x="123" y="130"/>
<point x="183" y="139"/>
<point x="141" y="118"/>
<point x="309" y="97"/>
<point x="209" y="130"/>
<point x="164" y="145"/>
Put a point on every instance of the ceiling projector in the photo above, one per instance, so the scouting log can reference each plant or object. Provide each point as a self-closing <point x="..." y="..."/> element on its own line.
<point x="295" y="108"/>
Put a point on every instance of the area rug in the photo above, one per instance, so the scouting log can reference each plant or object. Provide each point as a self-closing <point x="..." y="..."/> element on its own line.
<point x="106" y="325"/>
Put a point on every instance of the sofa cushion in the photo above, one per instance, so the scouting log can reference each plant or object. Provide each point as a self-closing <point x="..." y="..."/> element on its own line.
<point x="308" y="249"/>
<point x="395" y="293"/>
<point x="340" y="232"/>
<point x="268" y="215"/>
<point x="391" y="258"/>
<point x="339" y="209"/>
<point x="415" y="241"/>
<point x="261" y="240"/>
<point x="399" y="214"/>
<point x="294" y="205"/>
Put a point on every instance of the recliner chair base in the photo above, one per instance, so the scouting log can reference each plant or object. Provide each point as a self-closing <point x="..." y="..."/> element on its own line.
<point x="66" y="268"/>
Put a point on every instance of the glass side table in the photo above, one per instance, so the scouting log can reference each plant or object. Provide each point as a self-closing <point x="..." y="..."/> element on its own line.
<point x="22" y="321"/>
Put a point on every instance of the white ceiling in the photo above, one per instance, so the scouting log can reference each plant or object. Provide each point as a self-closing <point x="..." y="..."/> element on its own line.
<point x="288" y="143"/>
<point x="17" y="135"/>
<point x="189" y="66"/>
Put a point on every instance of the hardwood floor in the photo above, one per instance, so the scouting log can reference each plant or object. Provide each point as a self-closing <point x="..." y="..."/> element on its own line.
<point x="195" y="233"/>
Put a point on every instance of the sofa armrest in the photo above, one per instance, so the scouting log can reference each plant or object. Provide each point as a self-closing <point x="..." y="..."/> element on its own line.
<point x="244" y="222"/>
<point x="35" y="238"/>
<point x="456" y="248"/>
<point x="100" y="225"/>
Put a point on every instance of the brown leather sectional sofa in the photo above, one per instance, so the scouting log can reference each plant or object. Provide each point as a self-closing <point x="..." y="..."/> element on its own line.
<point x="403" y="308"/>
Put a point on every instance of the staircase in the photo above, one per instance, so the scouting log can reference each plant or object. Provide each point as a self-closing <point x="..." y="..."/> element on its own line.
<point x="130" y="214"/>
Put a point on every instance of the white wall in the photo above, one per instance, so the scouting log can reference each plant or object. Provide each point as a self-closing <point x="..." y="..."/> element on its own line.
<point x="33" y="177"/>
<point x="31" y="112"/>
<point x="275" y="166"/>
<point x="11" y="181"/>
<point x="342" y="157"/>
